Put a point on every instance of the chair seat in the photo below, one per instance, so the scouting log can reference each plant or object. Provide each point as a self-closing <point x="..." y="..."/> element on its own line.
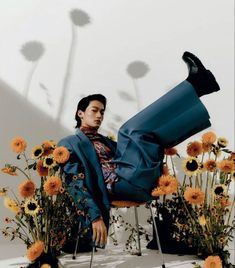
<point x="125" y="203"/>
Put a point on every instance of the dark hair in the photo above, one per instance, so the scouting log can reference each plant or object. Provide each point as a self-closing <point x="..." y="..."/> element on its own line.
<point x="84" y="102"/>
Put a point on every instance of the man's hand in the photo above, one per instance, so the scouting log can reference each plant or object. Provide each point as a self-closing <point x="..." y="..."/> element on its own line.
<point x="99" y="232"/>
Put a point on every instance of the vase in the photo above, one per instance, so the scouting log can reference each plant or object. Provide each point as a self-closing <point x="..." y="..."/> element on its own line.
<point x="45" y="258"/>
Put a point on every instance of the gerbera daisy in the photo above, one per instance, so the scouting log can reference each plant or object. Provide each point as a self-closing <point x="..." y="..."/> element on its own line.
<point x="194" y="196"/>
<point x="222" y="142"/>
<point x="31" y="207"/>
<point x="170" y="151"/>
<point x="210" y="165"/>
<point x="10" y="170"/>
<point x="27" y="188"/>
<point x="168" y="184"/>
<point x="209" y="137"/>
<point x="191" y="166"/>
<point x="213" y="262"/>
<point x="226" y="166"/>
<point x="42" y="171"/>
<point x="194" y="148"/>
<point x="61" y="154"/>
<point x="206" y="147"/>
<point x="157" y="192"/>
<point x="12" y="205"/>
<point x="49" y="162"/>
<point x="52" y="185"/>
<point x="35" y="250"/>
<point x="48" y="147"/>
<point x="18" y="145"/>
<point x="37" y="152"/>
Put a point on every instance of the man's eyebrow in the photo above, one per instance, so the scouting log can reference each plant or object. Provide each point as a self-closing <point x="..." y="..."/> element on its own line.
<point x="97" y="107"/>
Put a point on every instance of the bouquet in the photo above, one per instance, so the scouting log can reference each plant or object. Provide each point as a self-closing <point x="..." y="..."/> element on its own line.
<point x="202" y="204"/>
<point x="43" y="212"/>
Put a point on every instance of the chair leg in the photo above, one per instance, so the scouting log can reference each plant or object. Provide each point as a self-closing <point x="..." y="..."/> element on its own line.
<point x="77" y="240"/>
<point x="92" y="255"/>
<point x="139" y="253"/>
<point x="157" y="237"/>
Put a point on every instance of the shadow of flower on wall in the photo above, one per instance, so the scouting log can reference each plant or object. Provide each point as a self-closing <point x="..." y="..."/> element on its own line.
<point x="78" y="18"/>
<point x="32" y="51"/>
<point x="136" y="70"/>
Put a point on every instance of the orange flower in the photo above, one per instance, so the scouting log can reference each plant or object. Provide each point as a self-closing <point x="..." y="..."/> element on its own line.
<point x="46" y="265"/>
<point x="52" y="185"/>
<point x="61" y="154"/>
<point x="9" y="170"/>
<point x="168" y="184"/>
<point x="27" y="188"/>
<point x="157" y="192"/>
<point x="225" y="202"/>
<point x="226" y="166"/>
<point x="206" y="147"/>
<point x="194" y="196"/>
<point x="210" y="165"/>
<point x="35" y="250"/>
<point x="42" y="171"/>
<point x="3" y="191"/>
<point x="170" y="151"/>
<point x="48" y="147"/>
<point x="209" y="137"/>
<point x="18" y="145"/>
<point x="194" y="148"/>
<point x="213" y="262"/>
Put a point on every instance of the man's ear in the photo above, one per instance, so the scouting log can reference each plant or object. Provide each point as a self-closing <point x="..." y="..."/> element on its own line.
<point x="80" y="114"/>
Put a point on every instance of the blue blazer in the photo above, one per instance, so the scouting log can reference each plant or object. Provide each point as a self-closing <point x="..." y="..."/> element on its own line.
<point x="84" y="177"/>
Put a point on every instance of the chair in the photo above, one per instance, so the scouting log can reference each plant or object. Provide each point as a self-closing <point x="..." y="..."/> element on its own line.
<point x="129" y="204"/>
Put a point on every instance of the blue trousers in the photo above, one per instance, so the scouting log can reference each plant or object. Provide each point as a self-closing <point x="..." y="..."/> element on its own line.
<point x="171" y="119"/>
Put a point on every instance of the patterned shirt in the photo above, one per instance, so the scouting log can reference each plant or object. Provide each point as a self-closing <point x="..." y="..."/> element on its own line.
<point x="104" y="154"/>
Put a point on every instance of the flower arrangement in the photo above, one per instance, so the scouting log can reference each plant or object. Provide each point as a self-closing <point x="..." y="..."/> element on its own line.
<point x="202" y="203"/>
<point x="43" y="212"/>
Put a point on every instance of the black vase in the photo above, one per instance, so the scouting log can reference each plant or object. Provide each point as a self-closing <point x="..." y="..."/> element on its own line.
<point x="45" y="258"/>
<point x="165" y="227"/>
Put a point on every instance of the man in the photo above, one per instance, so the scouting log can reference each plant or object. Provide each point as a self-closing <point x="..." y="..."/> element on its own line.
<point x="100" y="170"/>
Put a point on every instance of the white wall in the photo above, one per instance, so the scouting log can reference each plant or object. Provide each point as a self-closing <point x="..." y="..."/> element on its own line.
<point x="93" y="58"/>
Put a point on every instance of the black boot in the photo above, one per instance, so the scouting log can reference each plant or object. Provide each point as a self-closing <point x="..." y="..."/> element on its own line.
<point x="202" y="79"/>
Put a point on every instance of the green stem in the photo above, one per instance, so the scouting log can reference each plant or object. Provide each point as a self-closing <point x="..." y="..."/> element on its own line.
<point x="27" y="162"/>
<point x="26" y="175"/>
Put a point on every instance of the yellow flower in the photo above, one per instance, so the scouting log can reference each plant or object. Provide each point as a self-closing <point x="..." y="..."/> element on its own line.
<point x="48" y="147"/>
<point x="27" y="188"/>
<point x="222" y="142"/>
<point x="11" y="204"/>
<point x="61" y="154"/>
<point x="35" y="250"/>
<point x="18" y="145"/>
<point x="31" y="207"/>
<point x="194" y="196"/>
<point x="213" y="262"/>
<point x="219" y="189"/>
<point x="3" y="191"/>
<point x="191" y="166"/>
<point x="49" y="162"/>
<point x="52" y="185"/>
<point x="37" y="152"/>
<point x="202" y="220"/>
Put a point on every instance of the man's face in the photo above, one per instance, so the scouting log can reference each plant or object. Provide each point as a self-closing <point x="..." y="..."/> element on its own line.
<point x="93" y="115"/>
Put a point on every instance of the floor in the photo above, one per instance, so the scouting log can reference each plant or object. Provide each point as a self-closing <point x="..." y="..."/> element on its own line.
<point x="111" y="257"/>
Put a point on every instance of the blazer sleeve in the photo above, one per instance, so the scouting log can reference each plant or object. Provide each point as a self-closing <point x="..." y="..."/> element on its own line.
<point x="74" y="174"/>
